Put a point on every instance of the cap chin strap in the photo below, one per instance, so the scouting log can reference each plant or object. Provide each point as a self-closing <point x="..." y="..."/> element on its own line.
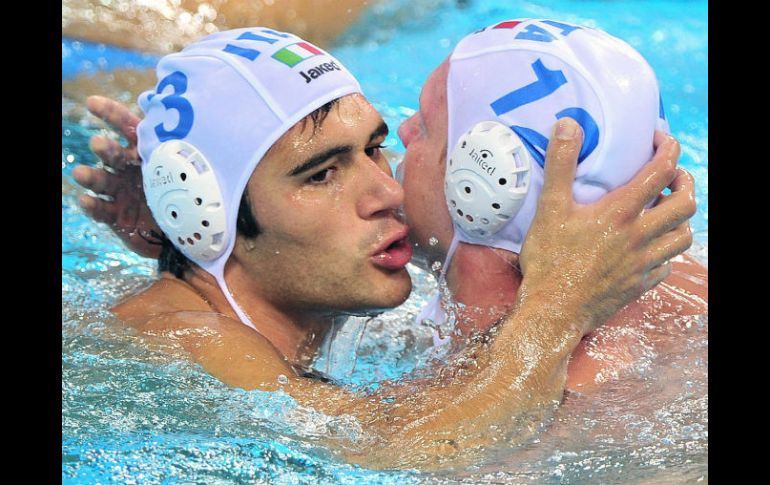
<point x="220" y="277"/>
<point x="185" y="199"/>
<point x="449" y="254"/>
<point x="433" y="310"/>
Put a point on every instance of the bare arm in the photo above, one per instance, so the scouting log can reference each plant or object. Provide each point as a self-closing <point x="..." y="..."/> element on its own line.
<point x="524" y="369"/>
<point x="165" y="26"/>
<point x="168" y="26"/>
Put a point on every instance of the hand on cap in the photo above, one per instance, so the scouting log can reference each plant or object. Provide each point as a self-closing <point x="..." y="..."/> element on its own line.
<point x="599" y="257"/>
<point x="119" y="179"/>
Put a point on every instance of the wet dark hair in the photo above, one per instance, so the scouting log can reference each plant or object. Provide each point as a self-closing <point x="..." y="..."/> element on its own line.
<point x="172" y="260"/>
<point x="318" y="116"/>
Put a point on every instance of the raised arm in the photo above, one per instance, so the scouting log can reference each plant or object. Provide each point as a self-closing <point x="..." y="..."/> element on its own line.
<point x="156" y="26"/>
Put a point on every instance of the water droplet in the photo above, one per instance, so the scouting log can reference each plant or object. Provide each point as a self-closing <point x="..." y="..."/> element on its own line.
<point x="70" y="158"/>
<point x="282" y="379"/>
<point x="432" y="241"/>
<point x="436" y="265"/>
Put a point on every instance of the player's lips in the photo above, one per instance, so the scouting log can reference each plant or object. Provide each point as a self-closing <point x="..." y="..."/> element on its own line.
<point x="394" y="252"/>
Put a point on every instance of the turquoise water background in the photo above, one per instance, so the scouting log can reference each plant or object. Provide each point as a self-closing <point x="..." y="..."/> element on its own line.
<point x="134" y="413"/>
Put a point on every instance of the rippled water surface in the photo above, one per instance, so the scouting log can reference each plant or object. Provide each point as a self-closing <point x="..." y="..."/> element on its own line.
<point x="136" y="410"/>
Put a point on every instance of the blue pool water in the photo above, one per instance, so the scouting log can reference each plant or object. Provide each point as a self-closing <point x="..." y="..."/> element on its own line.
<point x="135" y="410"/>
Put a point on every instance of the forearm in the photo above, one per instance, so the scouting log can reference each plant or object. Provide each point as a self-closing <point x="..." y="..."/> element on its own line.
<point x="524" y="368"/>
<point x="156" y="27"/>
<point x="413" y="423"/>
<point x="513" y="382"/>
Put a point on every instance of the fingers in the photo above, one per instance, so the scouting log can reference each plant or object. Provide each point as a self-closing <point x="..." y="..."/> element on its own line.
<point x="561" y="161"/>
<point x="85" y="176"/>
<point x="672" y="210"/>
<point x="656" y="275"/>
<point x="97" y="180"/>
<point x="653" y="176"/>
<point x="115" y="114"/>
<point x="112" y="153"/>
<point x="99" y="210"/>
<point x="671" y="244"/>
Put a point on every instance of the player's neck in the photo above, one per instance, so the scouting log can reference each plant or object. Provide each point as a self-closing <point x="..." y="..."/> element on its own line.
<point x="485" y="280"/>
<point x="296" y="334"/>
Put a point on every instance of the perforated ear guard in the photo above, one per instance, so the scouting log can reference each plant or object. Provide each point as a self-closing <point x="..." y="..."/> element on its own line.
<point x="185" y="199"/>
<point x="487" y="178"/>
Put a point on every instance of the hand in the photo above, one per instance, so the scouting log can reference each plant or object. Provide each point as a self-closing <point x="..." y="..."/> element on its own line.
<point x="601" y="256"/>
<point x="120" y="178"/>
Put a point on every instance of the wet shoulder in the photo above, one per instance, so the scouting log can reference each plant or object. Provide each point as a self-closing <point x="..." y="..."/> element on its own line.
<point x="166" y="296"/>
<point x="227" y="349"/>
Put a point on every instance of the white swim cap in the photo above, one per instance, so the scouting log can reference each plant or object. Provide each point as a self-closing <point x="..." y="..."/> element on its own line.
<point x="219" y="105"/>
<point x="526" y="74"/>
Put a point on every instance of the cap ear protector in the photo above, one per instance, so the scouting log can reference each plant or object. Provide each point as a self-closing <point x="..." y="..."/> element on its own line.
<point x="487" y="178"/>
<point x="185" y="199"/>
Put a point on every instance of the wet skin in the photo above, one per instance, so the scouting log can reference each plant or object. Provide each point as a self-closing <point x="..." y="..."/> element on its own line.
<point x="424" y="423"/>
<point x="424" y="135"/>
<point x="487" y="279"/>
<point x="330" y="240"/>
<point x="326" y="202"/>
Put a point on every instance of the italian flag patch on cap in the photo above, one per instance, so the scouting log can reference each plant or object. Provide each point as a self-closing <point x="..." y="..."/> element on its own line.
<point x="296" y="53"/>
